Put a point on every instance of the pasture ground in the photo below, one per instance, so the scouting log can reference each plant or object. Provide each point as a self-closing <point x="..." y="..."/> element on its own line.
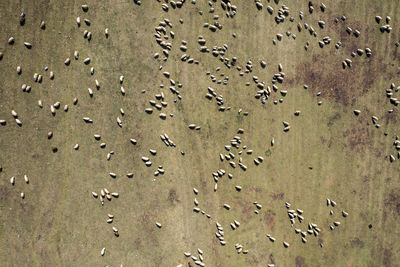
<point x="60" y="224"/>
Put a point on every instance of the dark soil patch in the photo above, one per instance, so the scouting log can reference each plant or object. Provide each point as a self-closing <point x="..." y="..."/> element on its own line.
<point x="326" y="75"/>
<point x="392" y="202"/>
<point x="390" y="118"/>
<point x="333" y="118"/>
<point x="277" y="196"/>
<point x="252" y="261"/>
<point x="349" y="42"/>
<point x="356" y="242"/>
<point x="138" y="243"/>
<point x="246" y="212"/>
<point x="172" y="196"/>
<point x="387" y="256"/>
<point x="269" y="219"/>
<point x="145" y="220"/>
<point x="300" y="261"/>
<point x="358" y="137"/>
<point x="3" y="193"/>
<point x="271" y="258"/>
<point x="255" y="190"/>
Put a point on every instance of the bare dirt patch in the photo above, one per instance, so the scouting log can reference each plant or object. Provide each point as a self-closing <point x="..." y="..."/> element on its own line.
<point x="172" y="196"/>
<point x="271" y="258"/>
<point x="269" y="219"/>
<point x="350" y="43"/>
<point x="334" y="118"/>
<point x="387" y="256"/>
<point x="145" y="220"/>
<point x="3" y="193"/>
<point x="358" y="137"/>
<point x="246" y="212"/>
<point x="325" y="74"/>
<point x="137" y="242"/>
<point x="253" y="261"/>
<point x="277" y="196"/>
<point x="390" y="118"/>
<point x="254" y="189"/>
<point x="392" y="202"/>
<point x="356" y="242"/>
<point x="300" y="261"/>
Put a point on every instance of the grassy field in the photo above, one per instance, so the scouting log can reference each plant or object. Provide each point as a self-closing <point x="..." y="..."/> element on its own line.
<point x="328" y="152"/>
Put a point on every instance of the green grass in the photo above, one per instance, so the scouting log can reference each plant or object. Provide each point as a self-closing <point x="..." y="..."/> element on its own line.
<point x="60" y="224"/>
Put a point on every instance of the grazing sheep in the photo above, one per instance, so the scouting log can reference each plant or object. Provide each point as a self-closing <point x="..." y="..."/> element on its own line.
<point x="11" y="40"/>
<point x="87" y="120"/>
<point x="226" y="206"/>
<point x="28" y="45"/>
